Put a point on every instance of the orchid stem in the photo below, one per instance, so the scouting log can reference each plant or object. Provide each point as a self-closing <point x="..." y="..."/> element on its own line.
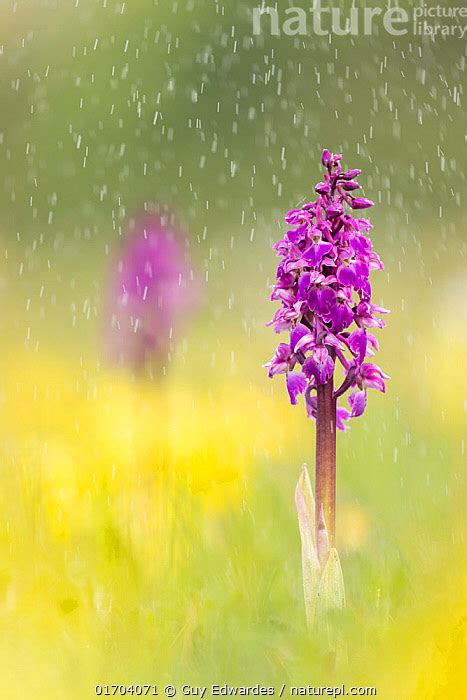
<point x="325" y="475"/>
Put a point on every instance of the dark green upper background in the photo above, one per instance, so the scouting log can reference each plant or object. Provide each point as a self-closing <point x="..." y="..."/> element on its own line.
<point x="103" y="107"/>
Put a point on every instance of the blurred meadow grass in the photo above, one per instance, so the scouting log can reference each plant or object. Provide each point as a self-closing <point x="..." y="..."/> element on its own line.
<point x="147" y="528"/>
<point x="149" y="533"/>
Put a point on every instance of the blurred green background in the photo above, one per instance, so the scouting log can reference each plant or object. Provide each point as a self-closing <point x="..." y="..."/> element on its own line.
<point x="185" y="567"/>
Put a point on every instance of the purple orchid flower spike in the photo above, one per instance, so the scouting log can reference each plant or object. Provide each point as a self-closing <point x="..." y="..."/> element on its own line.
<point x="152" y="290"/>
<point x="322" y="283"/>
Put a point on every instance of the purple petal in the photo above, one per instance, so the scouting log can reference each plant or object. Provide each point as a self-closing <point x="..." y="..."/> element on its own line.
<point x="322" y="188"/>
<point x="327" y="299"/>
<point x="294" y="217"/>
<point x="319" y="365"/>
<point x="276" y="367"/>
<point x="300" y="331"/>
<point x="372" y="377"/>
<point x="350" y="186"/>
<point x="342" y="414"/>
<point x="281" y="247"/>
<point x="283" y="351"/>
<point x="350" y="174"/>
<point x="314" y="254"/>
<point x="307" y="342"/>
<point x="361" y="203"/>
<point x="303" y="284"/>
<point x="320" y="354"/>
<point x="357" y="403"/>
<point x="334" y="342"/>
<point x="313" y="299"/>
<point x="361" y="269"/>
<point x="295" y="235"/>
<point x="326" y="157"/>
<point x="296" y="384"/>
<point x="357" y="343"/>
<point x="346" y="275"/>
<point x="333" y="210"/>
<point x="372" y="341"/>
<point x="285" y="295"/>
<point x="360" y="244"/>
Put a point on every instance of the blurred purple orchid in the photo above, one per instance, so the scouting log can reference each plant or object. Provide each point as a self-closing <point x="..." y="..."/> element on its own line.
<point x="152" y="290"/>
